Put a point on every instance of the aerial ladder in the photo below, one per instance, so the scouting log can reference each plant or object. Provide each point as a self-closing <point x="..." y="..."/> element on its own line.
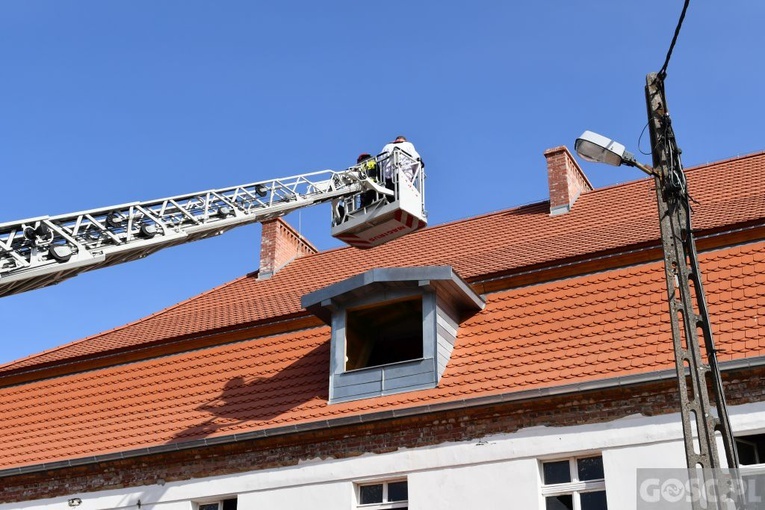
<point x="46" y="250"/>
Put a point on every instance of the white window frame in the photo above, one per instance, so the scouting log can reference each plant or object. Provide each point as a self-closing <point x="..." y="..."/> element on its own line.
<point x="385" y="503"/>
<point x="750" y="469"/>
<point x="575" y="487"/>
<point x="199" y="505"/>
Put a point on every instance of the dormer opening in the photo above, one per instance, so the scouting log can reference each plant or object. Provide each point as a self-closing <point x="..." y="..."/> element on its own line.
<point x="383" y="334"/>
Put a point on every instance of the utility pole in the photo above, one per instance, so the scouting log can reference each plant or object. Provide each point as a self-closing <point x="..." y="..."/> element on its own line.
<point x="684" y="283"/>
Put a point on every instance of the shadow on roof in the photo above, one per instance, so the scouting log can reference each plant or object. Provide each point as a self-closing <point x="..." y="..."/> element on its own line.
<point x="262" y="401"/>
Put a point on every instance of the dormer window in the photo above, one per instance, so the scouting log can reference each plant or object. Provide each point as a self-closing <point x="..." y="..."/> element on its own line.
<point x="382" y="334"/>
<point x="393" y="329"/>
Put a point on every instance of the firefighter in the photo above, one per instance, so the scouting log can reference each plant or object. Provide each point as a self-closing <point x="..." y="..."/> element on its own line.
<point x="409" y="170"/>
<point x="369" y="165"/>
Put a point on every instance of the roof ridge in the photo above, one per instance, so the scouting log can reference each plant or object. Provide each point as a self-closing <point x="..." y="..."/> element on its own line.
<point x="642" y="179"/>
<point x="601" y="189"/>
<point x="728" y="160"/>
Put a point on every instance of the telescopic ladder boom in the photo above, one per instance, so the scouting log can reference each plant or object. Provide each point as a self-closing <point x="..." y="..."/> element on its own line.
<point x="42" y="251"/>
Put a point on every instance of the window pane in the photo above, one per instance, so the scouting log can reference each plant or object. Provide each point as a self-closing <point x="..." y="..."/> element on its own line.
<point x="590" y="468"/>
<point x="747" y="453"/>
<point x="209" y="506"/>
<point x="556" y="472"/>
<point x="398" y="491"/>
<point x="751" y="449"/>
<point x="371" y="494"/>
<point x="564" y="502"/>
<point x="593" y="500"/>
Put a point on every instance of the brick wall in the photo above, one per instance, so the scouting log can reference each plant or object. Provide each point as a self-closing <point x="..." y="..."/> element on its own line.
<point x="565" y="179"/>
<point x="279" y="245"/>
<point x="371" y="437"/>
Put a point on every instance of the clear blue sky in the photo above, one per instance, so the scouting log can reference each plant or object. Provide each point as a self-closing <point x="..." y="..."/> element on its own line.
<point x="111" y="102"/>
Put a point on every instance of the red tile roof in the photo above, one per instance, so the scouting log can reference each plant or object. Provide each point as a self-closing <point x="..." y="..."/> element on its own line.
<point x="587" y="328"/>
<point x="606" y="325"/>
<point x="726" y="193"/>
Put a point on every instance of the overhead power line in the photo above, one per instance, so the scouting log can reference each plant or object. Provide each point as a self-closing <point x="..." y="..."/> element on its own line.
<point x="663" y="73"/>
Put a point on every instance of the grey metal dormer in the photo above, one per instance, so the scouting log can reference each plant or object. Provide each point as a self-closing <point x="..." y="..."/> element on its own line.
<point x="393" y="329"/>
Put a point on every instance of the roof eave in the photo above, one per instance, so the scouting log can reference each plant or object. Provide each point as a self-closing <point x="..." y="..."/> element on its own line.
<point x="486" y="400"/>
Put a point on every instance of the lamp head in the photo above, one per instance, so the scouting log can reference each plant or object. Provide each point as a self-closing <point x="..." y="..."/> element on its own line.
<point x="599" y="149"/>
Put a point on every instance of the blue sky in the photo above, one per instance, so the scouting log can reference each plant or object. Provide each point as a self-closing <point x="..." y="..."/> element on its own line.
<point x="112" y="102"/>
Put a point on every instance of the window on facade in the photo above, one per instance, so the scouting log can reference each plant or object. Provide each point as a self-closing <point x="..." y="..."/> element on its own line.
<point x="383" y="334"/>
<point x="226" y="504"/>
<point x="574" y="484"/>
<point x="751" y="449"/>
<point x="394" y="494"/>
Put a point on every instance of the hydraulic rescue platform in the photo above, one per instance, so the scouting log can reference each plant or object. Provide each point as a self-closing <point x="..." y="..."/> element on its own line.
<point x="383" y="214"/>
<point x="43" y="251"/>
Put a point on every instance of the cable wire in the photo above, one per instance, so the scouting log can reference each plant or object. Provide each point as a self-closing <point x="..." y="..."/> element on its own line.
<point x="674" y="179"/>
<point x="663" y="72"/>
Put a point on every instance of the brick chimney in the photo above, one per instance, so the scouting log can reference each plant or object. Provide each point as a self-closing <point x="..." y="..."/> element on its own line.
<point x="280" y="244"/>
<point x="566" y="180"/>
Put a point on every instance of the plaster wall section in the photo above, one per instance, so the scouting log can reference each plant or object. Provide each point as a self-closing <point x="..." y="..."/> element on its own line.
<point x="499" y="471"/>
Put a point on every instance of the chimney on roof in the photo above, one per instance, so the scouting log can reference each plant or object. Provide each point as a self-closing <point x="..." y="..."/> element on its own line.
<point x="566" y="180"/>
<point x="280" y="244"/>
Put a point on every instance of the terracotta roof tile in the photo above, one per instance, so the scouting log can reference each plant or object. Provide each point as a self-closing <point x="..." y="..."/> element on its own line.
<point x="502" y="241"/>
<point x="599" y="326"/>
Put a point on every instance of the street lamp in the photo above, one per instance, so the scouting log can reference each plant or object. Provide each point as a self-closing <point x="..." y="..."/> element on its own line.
<point x="599" y="149"/>
<point x="689" y="316"/>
